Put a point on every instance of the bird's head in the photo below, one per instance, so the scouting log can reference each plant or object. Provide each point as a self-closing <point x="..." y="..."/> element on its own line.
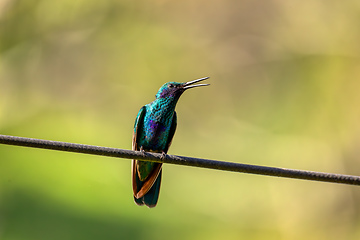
<point x="175" y="89"/>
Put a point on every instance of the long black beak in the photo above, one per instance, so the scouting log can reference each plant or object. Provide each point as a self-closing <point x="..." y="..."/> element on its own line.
<point x="188" y="85"/>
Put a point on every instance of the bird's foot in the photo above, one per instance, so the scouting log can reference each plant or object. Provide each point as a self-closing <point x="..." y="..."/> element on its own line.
<point x="142" y="151"/>
<point x="163" y="155"/>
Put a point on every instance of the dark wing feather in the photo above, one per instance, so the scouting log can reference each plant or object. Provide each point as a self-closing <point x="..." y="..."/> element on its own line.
<point x="138" y="125"/>
<point x="139" y="121"/>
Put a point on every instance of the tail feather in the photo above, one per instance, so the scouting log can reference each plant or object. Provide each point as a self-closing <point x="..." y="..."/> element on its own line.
<point x="138" y="201"/>
<point x="150" y="199"/>
<point x="152" y="196"/>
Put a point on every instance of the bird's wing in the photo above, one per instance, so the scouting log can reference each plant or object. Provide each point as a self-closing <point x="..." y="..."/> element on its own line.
<point x="171" y="132"/>
<point x="139" y="121"/>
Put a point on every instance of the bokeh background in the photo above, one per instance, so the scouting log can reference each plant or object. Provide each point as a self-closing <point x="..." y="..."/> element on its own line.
<point x="285" y="83"/>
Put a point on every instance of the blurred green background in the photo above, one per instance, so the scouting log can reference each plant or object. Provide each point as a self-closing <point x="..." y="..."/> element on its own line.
<point x="285" y="81"/>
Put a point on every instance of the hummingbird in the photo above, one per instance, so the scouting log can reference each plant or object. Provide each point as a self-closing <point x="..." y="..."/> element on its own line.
<point x="154" y="130"/>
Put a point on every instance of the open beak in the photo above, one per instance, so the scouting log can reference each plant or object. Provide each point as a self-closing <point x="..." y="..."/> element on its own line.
<point x="188" y="85"/>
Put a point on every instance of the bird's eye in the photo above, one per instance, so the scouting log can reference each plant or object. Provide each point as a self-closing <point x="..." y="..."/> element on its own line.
<point x="171" y="85"/>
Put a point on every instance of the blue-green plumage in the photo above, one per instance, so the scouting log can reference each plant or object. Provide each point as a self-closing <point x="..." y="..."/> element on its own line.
<point x="154" y="129"/>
